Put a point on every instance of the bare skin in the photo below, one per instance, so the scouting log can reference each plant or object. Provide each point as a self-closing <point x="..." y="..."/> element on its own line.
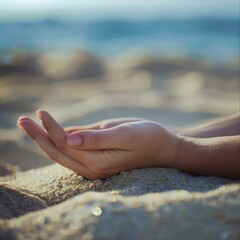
<point x="228" y="126"/>
<point x="106" y="148"/>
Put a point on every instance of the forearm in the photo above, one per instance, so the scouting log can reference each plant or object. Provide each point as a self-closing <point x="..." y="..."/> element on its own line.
<point x="218" y="156"/>
<point x="220" y="127"/>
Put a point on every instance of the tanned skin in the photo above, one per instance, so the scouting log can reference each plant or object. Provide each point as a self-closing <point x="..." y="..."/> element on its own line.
<point x="108" y="147"/>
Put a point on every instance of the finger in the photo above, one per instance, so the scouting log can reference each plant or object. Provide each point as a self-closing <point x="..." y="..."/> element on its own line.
<point x="46" y="145"/>
<point x="55" y="131"/>
<point x="116" y="121"/>
<point x="59" y="138"/>
<point x="73" y="129"/>
<point x="22" y="118"/>
<point x="119" y="137"/>
<point x="101" y="125"/>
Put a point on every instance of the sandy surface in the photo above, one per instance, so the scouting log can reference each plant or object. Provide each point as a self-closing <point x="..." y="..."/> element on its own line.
<point x="154" y="203"/>
<point x="41" y="200"/>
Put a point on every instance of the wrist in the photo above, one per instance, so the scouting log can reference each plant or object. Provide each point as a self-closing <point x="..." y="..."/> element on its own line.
<point x="172" y="148"/>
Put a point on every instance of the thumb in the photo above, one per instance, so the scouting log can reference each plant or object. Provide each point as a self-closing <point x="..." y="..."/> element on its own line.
<point x="118" y="137"/>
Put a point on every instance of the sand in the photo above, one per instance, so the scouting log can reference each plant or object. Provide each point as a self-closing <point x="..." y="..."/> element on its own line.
<point x="139" y="204"/>
<point x="42" y="200"/>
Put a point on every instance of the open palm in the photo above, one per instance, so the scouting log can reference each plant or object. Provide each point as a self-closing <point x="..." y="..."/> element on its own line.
<point x="105" y="148"/>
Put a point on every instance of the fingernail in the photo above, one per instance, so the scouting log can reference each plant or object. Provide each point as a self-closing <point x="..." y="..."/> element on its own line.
<point x="21" y="125"/>
<point x="74" y="140"/>
<point x="39" y="114"/>
<point x="21" y="117"/>
<point x="25" y="127"/>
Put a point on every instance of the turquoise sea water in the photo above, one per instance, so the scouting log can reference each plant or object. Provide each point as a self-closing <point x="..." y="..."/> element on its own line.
<point x="214" y="39"/>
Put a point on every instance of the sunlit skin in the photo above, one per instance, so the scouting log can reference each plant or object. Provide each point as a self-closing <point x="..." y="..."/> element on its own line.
<point x="106" y="148"/>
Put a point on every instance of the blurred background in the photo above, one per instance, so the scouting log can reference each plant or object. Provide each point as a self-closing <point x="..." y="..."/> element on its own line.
<point x="175" y="62"/>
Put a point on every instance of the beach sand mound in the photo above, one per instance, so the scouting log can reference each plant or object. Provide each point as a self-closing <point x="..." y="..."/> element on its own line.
<point x="167" y="205"/>
<point x="15" y="202"/>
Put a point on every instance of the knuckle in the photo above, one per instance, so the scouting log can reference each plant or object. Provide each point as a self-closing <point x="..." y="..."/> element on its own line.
<point x="129" y="133"/>
<point x="126" y="129"/>
<point x="107" y="124"/>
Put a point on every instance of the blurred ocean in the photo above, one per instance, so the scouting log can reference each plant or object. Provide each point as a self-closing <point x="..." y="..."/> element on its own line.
<point x="211" y="39"/>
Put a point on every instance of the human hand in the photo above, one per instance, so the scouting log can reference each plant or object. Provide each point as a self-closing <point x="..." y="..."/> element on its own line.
<point x="108" y="123"/>
<point x="104" y="151"/>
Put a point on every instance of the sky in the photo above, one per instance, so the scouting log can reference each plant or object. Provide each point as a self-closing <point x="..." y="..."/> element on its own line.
<point x="26" y="10"/>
